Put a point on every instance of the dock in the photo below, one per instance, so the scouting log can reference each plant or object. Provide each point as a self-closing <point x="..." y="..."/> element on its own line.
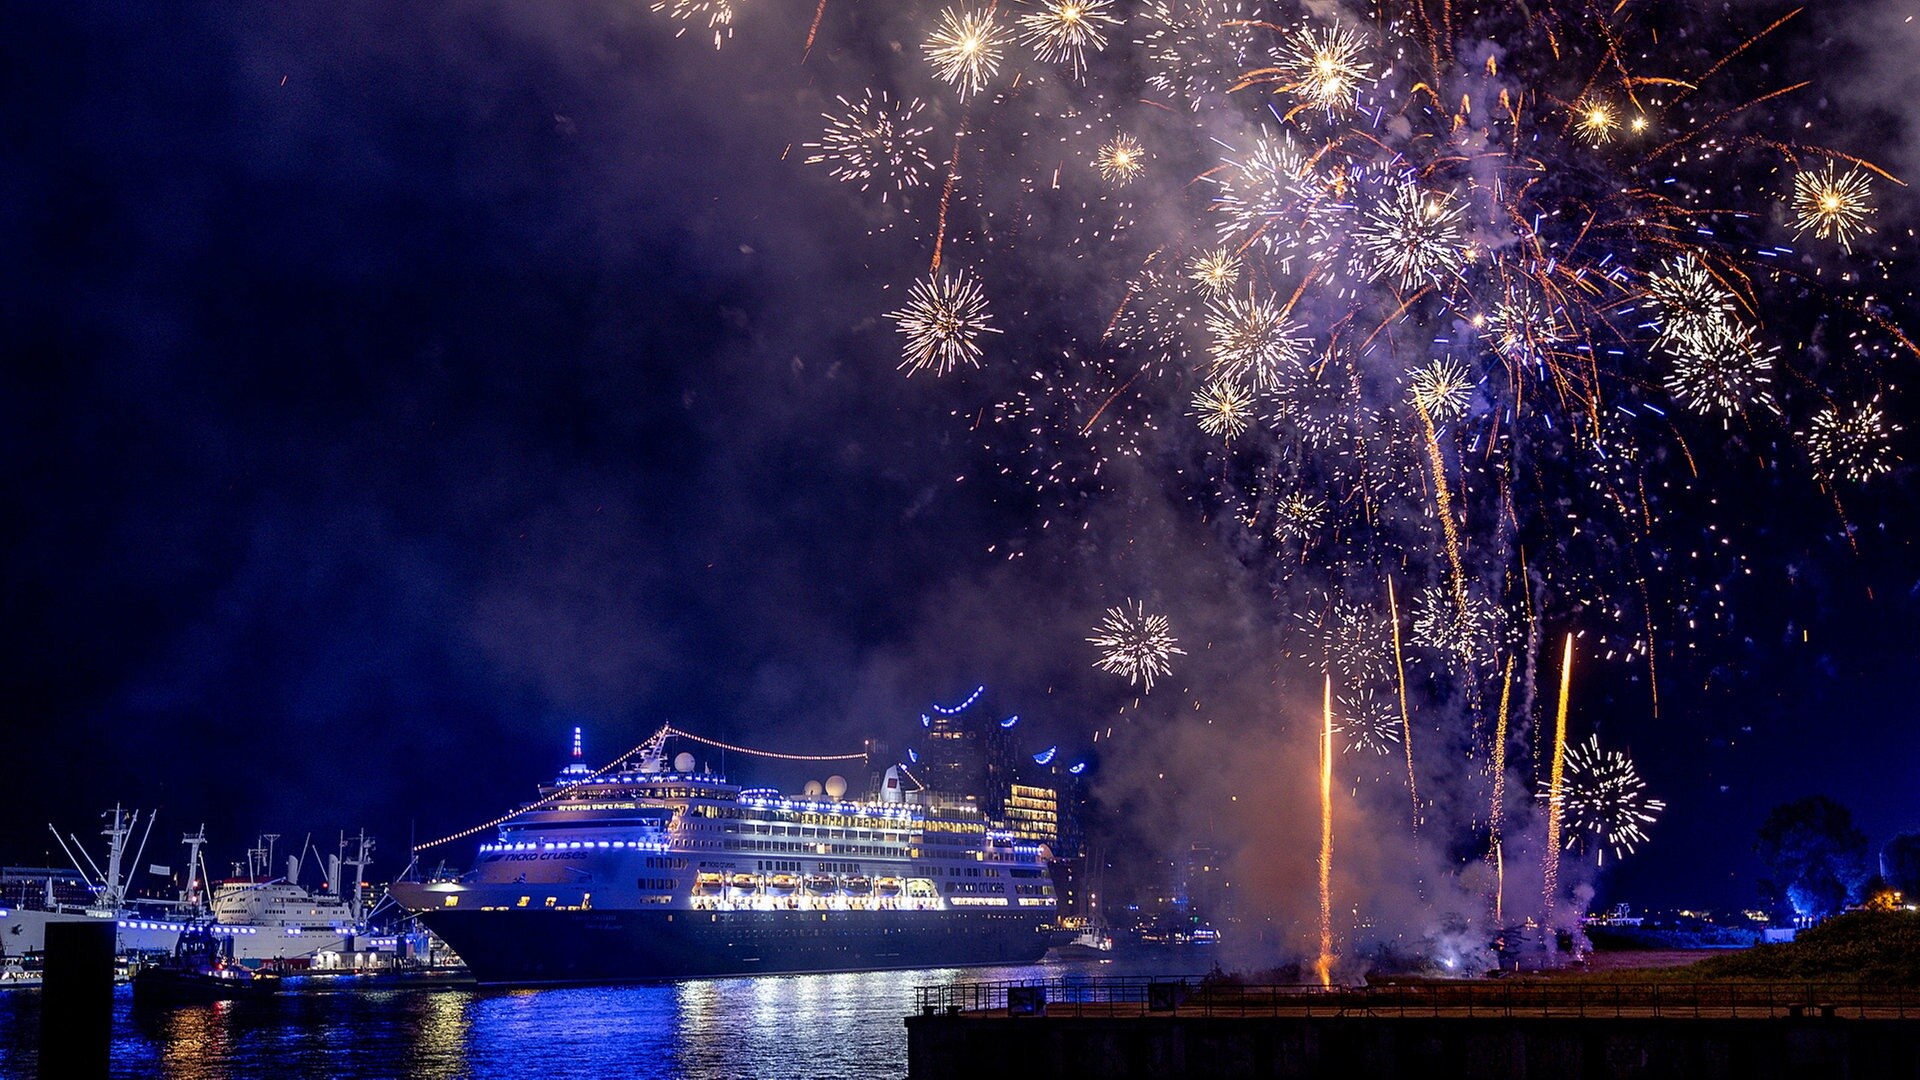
<point x="1563" y="1030"/>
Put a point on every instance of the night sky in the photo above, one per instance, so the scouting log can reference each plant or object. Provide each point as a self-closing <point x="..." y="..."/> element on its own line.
<point x="390" y="389"/>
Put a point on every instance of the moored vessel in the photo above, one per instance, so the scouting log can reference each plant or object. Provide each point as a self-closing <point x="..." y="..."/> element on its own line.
<point x="653" y="870"/>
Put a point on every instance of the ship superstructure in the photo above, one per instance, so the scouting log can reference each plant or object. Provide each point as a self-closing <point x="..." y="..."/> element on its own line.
<point x="267" y="918"/>
<point x="656" y="870"/>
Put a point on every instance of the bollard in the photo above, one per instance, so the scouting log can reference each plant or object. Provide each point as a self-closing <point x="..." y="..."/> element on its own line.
<point x="76" y="999"/>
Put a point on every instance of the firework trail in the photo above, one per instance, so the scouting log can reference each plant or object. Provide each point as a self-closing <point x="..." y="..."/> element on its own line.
<point x="1406" y="718"/>
<point x="1556" y="787"/>
<point x="1324" y="965"/>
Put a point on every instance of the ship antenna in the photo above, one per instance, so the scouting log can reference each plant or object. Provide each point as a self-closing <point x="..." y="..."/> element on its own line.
<point x="579" y="753"/>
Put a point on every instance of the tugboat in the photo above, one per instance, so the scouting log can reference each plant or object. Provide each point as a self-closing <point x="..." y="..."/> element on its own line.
<point x="201" y="968"/>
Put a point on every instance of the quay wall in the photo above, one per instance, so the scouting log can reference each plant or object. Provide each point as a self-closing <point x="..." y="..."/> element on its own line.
<point x="967" y="1047"/>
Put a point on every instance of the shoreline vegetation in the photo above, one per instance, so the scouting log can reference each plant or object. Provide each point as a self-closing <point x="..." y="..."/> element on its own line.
<point x="1881" y="947"/>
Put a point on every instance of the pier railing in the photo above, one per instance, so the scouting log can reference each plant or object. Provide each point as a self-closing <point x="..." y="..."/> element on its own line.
<point x="1202" y="996"/>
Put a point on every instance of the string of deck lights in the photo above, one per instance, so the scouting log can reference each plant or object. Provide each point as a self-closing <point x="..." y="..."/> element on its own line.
<point x="765" y="753"/>
<point x="659" y="736"/>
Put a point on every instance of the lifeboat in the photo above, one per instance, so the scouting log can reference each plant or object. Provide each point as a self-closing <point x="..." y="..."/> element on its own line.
<point x="858" y="883"/>
<point x="889" y="885"/>
<point x="820" y="883"/>
<point x="783" y="882"/>
<point x="746" y="881"/>
<point x="710" y="881"/>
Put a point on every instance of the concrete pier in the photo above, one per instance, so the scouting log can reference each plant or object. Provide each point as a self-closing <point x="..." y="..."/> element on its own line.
<point x="76" y="999"/>
<point x="964" y="1047"/>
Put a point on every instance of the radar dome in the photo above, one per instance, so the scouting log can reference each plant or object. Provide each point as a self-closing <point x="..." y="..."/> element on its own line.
<point x="683" y="763"/>
<point x="836" y="787"/>
<point x="812" y="790"/>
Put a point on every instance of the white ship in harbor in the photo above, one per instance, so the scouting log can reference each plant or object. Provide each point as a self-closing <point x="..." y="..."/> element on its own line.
<point x="273" y="919"/>
<point x="657" y="871"/>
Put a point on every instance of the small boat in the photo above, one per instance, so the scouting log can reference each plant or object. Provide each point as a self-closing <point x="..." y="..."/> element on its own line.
<point x="15" y="977"/>
<point x="201" y="968"/>
<point x="858" y="883"/>
<point x="710" y="881"/>
<point x="820" y="883"/>
<point x="888" y="885"/>
<point x="746" y="881"/>
<point x="1091" y="943"/>
<point x="784" y="882"/>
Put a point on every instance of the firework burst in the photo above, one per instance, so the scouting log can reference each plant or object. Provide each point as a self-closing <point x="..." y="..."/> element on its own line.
<point x="1121" y="159"/>
<point x="1349" y="641"/>
<point x="1441" y="389"/>
<point x="943" y="320"/>
<point x="1468" y="634"/>
<point x="1215" y="271"/>
<point x="1604" y="802"/>
<point x="1852" y="444"/>
<point x="718" y="15"/>
<point x="1721" y="369"/>
<point x="1196" y="49"/>
<point x="1253" y="339"/>
<point x="966" y="49"/>
<point x="1412" y="237"/>
<point x="1135" y="644"/>
<point x="1298" y="516"/>
<point x="874" y="141"/>
<point x="1064" y="31"/>
<point x="1832" y="206"/>
<point x="1369" y="723"/>
<point x="1323" y="69"/>
<point x="1596" y="121"/>
<point x="1224" y="408"/>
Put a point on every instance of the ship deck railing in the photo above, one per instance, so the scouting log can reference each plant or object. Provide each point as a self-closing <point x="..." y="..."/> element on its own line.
<point x="1546" y="999"/>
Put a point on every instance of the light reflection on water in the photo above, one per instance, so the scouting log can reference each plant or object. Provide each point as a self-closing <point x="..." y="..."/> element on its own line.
<point x="768" y="1026"/>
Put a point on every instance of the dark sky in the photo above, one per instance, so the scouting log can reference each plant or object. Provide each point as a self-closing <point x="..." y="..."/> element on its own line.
<point x="390" y="388"/>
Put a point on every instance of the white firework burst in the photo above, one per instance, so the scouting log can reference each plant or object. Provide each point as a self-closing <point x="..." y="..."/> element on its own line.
<point x="1253" y="339"/>
<point x="1832" y="206"/>
<point x="1121" y="159"/>
<point x="966" y="48"/>
<point x="1721" y="368"/>
<point x="874" y="141"/>
<point x="1064" y="31"/>
<point x="1369" y="723"/>
<point x="1412" y="236"/>
<point x="1135" y="644"/>
<point x="1264" y="194"/>
<point x="1350" y="641"/>
<point x="717" y="13"/>
<point x="1215" y="271"/>
<point x="1851" y="444"/>
<point x="1196" y="50"/>
<point x="1224" y="408"/>
<point x="1441" y="388"/>
<point x="1468" y="634"/>
<point x="1690" y="300"/>
<point x="1603" y="801"/>
<point x="1298" y="516"/>
<point x="1322" y="69"/>
<point x="1521" y="328"/>
<point x="943" y="320"/>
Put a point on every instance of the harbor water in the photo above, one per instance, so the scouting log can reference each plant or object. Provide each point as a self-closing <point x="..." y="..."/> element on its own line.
<point x="772" y="1026"/>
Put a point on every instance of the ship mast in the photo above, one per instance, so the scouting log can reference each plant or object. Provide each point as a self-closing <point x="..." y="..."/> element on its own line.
<point x="190" y="896"/>
<point x="362" y="857"/>
<point x="119" y="826"/>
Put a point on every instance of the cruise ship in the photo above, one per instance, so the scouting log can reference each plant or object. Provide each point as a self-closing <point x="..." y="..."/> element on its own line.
<point x="650" y="870"/>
